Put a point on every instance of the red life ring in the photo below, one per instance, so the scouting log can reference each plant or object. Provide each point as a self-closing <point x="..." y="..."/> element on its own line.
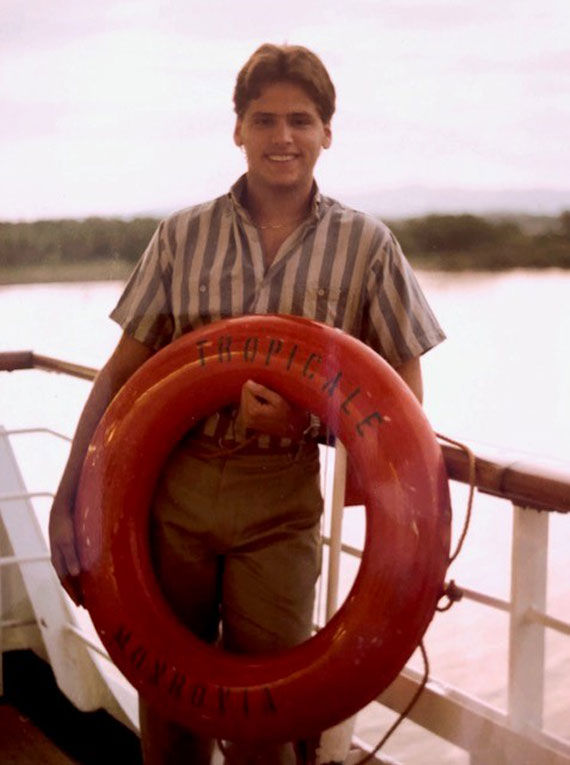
<point x="399" y="465"/>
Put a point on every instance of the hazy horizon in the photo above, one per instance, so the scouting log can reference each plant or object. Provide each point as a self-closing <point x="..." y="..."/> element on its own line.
<point x="403" y="202"/>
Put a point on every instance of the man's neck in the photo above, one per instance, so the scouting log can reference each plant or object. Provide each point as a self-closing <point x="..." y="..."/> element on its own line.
<point x="277" y="206"/>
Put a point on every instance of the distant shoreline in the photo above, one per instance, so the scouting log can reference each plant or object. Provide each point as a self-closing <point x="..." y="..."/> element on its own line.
<point x="94" y="271"/>
<point x="105" y="270"/>
<point x="100" y="249"/>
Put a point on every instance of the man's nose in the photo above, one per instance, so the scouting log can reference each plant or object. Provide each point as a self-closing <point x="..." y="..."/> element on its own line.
<point x="282" y="132"/>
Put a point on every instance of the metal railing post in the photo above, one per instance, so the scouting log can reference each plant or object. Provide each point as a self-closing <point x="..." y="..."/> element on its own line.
<point x="335" y="742"/>
<point x="337" y="511"/>
<point x="526" y="637"/>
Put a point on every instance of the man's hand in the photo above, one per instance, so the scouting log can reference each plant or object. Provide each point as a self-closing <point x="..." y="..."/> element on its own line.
<point x="63" y="551"/>
<point x="125" y="359"/>
<point x="265" y="411"/>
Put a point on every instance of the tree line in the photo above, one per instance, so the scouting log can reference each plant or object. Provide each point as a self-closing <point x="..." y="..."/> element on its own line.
<point x="56" y="242"/>
<point x="449" y="242"/>
<point x="457" y="242"/>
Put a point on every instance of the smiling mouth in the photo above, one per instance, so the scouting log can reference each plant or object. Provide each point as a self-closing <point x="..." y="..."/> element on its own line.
<point x="281" y="157"/>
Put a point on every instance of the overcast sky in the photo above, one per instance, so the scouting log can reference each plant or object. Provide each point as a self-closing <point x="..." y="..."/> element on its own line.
<point x="121" y="107"/>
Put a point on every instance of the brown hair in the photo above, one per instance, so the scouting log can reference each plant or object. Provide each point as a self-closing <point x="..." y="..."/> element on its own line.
<point x="291" y="63"/>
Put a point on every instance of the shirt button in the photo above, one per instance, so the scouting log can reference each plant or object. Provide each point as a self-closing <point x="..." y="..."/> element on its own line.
<point x="321" y="292"/>
<point x="202" y="288"/>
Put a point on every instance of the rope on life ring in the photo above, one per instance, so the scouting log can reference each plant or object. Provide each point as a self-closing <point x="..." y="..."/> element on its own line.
<point x="398" y="464"/>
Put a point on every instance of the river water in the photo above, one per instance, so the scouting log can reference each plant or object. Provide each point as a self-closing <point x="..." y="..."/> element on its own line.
<point x="500" y="379"/>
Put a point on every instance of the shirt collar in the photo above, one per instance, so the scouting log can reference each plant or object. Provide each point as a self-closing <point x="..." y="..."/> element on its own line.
<point x="237" y="194"/>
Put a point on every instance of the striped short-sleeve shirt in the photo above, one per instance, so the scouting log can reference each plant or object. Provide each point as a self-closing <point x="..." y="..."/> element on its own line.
<point x="340" y="267"/>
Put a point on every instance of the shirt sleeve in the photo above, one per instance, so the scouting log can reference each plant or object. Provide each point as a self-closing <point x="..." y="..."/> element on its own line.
<point x="144" y="310"/>
<point x="398" y="322"/>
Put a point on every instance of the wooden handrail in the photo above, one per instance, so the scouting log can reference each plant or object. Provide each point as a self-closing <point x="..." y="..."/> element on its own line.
<point x="537" y="484"/>
<point x="11" y="361"/>
<point x="528" y="482"/>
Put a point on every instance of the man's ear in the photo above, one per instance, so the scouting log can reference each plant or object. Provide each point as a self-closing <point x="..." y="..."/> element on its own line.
<point x="237" y="133"/>
<point x="327" y="140"/>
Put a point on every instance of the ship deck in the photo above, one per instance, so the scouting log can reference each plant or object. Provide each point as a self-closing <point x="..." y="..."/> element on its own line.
<point x="39" y="725"/>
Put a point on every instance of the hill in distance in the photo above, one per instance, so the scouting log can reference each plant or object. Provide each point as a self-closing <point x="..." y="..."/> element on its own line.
<point x="416" y="201"/>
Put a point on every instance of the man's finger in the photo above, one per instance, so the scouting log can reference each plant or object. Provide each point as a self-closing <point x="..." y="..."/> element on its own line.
<point x="64" y="560"/>
<point x="58" y="562"/>
<point x="70" y="582"/>
<point x="260" y="391"/>
<point x="69" y="554"/>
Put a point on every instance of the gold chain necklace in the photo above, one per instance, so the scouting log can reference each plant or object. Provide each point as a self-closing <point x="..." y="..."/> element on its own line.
<point x="265" y="226"/>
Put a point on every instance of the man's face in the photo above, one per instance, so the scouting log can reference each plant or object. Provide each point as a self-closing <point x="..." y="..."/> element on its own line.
<point x="282" y="134"/>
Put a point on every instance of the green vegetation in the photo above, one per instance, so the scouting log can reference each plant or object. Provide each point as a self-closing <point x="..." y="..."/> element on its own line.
<point x="69" y="250"/>
<point x="469" y="242"/>
<point x="107" y="248"/>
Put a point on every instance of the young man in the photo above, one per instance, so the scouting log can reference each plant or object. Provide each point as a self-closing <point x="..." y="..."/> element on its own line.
<point x="235" y="523"/>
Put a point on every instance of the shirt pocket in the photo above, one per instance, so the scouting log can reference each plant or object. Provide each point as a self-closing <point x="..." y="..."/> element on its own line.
<point x="323" y="303"/>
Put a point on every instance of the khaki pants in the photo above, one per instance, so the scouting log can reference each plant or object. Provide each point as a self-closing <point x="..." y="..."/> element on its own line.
<point x="236" y="543"/>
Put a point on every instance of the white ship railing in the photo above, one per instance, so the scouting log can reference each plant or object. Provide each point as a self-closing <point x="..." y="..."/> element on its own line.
<point x="489" y="735"/>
